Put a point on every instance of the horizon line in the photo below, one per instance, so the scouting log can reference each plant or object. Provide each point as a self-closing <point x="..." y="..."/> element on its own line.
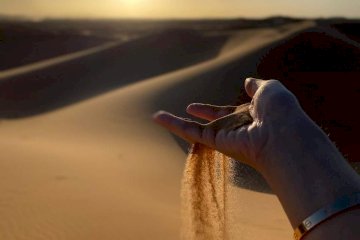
<point x="204" y="18"/>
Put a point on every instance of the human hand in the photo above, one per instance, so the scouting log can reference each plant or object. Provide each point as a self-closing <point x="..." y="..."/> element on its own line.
<point x="249" y="137"/>
<point x="298" y="160"/>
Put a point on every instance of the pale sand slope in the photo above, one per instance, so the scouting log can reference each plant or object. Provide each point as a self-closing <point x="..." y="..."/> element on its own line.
<point x="100" y="169"/>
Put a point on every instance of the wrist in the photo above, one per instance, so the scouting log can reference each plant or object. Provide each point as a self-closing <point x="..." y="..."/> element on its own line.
<point x="302" y="189"/>
<point x="343" y="204"/>
<point x="308" y="175"/>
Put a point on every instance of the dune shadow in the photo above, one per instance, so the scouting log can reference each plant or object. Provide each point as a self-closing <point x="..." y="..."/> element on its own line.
<point x="350" y="29"/>
<point x="25" y="43"/>
<point x="324" y="73"/>
<point x="63" y="84"/>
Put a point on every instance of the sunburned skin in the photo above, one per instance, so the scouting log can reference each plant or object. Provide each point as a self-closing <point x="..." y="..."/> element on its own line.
<point x="204" y="185"/>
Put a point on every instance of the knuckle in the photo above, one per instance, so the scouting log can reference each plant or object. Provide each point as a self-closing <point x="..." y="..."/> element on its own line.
<point x="208" y="135"/>
<point x="277" y="101"/>
<point x="278" y="96"/>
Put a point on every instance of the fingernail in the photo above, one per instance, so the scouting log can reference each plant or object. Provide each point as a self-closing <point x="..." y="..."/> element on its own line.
<point x="251" y="79"/>
<point x="158" y="114"/>
<point x="190" y="106"/>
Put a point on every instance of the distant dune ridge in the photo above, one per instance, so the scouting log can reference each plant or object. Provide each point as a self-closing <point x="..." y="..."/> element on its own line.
<point x="81" y="78"/>
<point x="80" y="158"/>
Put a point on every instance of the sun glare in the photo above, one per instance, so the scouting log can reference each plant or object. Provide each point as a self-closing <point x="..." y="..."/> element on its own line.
<point x="133" y="3"/>
<point x="135" y="8"/>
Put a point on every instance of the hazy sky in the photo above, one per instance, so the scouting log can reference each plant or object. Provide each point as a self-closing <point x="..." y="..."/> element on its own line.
<point x="179" y="8"/>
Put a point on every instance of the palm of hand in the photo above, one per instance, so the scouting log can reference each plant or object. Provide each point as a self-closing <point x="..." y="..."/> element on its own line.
<point x="241" y="132"/>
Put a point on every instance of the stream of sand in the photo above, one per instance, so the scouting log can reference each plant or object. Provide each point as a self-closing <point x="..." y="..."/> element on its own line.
<point x="204" y="191"/>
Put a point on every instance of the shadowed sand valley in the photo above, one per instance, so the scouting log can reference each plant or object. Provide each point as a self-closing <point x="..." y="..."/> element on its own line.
<point x="81" y="158"/>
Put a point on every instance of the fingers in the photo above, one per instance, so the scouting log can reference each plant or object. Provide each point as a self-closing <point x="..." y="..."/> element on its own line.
<point x="224" y="134"/>
<point x="189" y="130"/>
<point x="252" y="85"/>
<point x="209" y="112"/>
<point x="204" y="133"/>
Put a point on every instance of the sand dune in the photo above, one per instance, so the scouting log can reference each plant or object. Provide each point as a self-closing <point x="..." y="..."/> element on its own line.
<point x="23" y="92"/>
<point x="99" y="168"/>
<point x="24" y="42"/>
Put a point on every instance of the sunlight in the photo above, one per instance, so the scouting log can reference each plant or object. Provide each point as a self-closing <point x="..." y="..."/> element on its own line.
<point x="133" y="3"/>
<point x="131" y="8"/>
<point x="136" y="8"/>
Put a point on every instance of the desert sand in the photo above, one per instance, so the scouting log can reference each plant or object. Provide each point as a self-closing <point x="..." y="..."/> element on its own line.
<point x="81" y="158"/>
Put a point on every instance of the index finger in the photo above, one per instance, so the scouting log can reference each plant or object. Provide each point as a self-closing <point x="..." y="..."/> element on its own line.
<point x="252" y="85"/>
<point x="187" y="129"/>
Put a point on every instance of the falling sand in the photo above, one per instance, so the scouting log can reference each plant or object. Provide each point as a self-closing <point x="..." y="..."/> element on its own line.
<point x="204" y="194"/>
<point x="204" y="187"/>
